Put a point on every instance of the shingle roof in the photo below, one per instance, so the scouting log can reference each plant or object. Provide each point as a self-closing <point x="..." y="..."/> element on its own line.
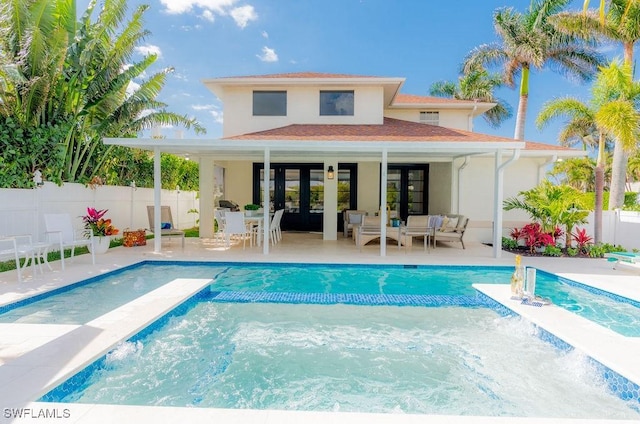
<point x="391" y="130"/>
<point x="411" y="98"/>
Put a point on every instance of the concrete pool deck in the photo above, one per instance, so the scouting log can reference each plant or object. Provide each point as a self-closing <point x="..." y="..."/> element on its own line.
<point x="35" y="357"/>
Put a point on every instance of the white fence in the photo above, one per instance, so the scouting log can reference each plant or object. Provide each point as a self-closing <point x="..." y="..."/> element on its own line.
<point x="22" y="210"/>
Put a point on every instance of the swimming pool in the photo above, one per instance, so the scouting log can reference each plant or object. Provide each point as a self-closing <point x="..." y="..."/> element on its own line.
<point x="74" y="304"/>
<point x="445" y="360"/>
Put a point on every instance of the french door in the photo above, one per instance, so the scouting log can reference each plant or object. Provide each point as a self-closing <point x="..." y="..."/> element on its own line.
<point x="299" y="190"/>
<point x="407" y="189"/>
<point x="296" y="188"/>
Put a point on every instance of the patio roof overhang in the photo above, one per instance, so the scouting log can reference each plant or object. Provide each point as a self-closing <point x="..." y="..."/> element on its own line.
<point x="422" y="151"/>
<point x="379" y="150"/>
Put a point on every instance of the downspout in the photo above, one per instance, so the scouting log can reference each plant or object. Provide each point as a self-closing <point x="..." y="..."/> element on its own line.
<point x="553" y="159"/>
<point x="498" y="194"/>
<point x="460" y="168"/>
<point x="470" y="123"/>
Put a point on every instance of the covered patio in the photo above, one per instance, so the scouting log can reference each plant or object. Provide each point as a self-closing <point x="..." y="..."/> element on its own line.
<point x="455" y="147"/>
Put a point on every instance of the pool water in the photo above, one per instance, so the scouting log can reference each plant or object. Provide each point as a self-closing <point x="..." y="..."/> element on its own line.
<point x="619" y="314"/>
<point x="447" y="360"/>
<point x="77" y="304"/>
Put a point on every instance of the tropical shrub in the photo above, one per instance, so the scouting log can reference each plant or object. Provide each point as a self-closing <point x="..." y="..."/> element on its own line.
<point x="509" y="243"/>
<point x="534" y="237"/>
<point x="551" y="250"/>
<point x="582" y="239"/>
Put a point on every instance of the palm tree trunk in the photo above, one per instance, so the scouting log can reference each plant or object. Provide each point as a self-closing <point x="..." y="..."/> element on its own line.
<point x="521" y="117"/>
<point x="618" y="176"/>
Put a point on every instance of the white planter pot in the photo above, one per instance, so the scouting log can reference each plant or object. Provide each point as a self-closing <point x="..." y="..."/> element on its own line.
<point x="100" y="244"/>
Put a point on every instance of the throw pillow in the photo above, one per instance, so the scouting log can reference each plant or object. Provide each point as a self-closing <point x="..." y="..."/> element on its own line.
<point x="165" y="225"/>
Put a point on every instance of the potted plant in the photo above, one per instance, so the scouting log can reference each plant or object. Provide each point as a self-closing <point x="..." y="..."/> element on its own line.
<point x="100" y="228"/>
<point x="251" y="208"/>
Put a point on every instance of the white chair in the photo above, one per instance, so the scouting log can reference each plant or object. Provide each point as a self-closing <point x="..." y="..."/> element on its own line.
<point x="352" y="220"/>
<point x="16" y="247"/>
<point x="60" y="232"/>
<point x="274" y="229"/>
<point x="218" y="215"/>
<point x="235" y="225"/>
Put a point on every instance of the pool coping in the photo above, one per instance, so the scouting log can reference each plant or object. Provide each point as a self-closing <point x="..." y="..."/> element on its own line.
<point x="121" y="413"/>
<point x="588" y="337"/>
<point x="35" y="372"/>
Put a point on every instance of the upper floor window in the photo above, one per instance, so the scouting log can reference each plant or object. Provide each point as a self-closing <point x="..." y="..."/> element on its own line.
<point x="431" y="118"/>
<point x="269" y="103"/>
<point x="336" y="103"/>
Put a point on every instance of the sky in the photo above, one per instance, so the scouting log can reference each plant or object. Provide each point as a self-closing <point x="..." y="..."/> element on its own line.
<point x="423" y="41"/>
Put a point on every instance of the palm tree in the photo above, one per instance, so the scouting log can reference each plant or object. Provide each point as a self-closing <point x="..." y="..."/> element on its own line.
<point x="57" y="71"/>
<point x="583" y="123"/>
<point x="477" y="84"/>
<point x="620" y="22"/>
<point x="530" y="41"/>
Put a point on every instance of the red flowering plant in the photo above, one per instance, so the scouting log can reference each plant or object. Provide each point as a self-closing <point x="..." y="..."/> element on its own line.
<point x="534" y="237"/>
<point x="95" y="224"/>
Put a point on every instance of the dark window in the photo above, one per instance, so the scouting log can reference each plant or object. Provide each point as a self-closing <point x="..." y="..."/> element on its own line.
<point x="269" y="103"/>
<point x="336" y="103"/>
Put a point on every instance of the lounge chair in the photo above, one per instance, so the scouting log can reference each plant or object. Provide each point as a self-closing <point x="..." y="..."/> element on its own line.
<point x="15" y="248"/>
<point x="60" y="232"/>
<point x="167" y="229"/>
<point x="626" y="258"/>
<point x="452" y="230"/>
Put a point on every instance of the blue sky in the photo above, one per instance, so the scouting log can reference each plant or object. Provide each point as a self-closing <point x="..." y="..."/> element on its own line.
<point x="421" y="40"/>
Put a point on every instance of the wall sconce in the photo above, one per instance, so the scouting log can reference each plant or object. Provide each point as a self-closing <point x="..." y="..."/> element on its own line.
<point x="330" y="173"/>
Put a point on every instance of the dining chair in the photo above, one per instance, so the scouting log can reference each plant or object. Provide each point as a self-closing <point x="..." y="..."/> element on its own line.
<point x="236" y="225"/>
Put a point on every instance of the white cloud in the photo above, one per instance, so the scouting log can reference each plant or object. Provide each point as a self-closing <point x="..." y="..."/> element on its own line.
<point x="242" y="15"/>
<point x="149" y="49"/>
<point x="265" y="34"/>
<point x="131" y="88"/>
<point x="268" y="55"/>
<point x="203" y="107"/>
<point x="208" y="15"/>
<point x="218" y="116"/>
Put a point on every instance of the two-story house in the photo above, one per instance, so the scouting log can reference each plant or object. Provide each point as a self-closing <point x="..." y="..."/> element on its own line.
<point x="331" y="142"/>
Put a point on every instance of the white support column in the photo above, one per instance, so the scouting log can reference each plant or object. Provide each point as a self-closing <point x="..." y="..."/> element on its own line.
<point x="383" y="204"/>
<point x="330" y="202"/>
<point x="206" y="188"/>
<point x="265" y="203"/>
<point x="157" y="202"/>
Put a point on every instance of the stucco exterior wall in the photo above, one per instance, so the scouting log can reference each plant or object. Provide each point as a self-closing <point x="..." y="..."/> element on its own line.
<point x="303" y="107"/>
<point x="369" y="187"/>
<point x="476" y="198"/>
<point x="440" y="188"/>
<point x="456" y="119"/>
<point x="238" y="182"/>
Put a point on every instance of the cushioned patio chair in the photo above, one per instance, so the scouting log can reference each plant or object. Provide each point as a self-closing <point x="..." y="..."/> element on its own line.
<point x="452" y="230"/>
<point x="417" y="226"/>
<point x="351" y="219"/>
<point x="167" y="228"/>
<point x="60" y="233"/>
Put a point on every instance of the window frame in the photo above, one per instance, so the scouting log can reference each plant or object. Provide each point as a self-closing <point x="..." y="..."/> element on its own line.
<point x="323" y="104"/>
<point x="278" y="112"/>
